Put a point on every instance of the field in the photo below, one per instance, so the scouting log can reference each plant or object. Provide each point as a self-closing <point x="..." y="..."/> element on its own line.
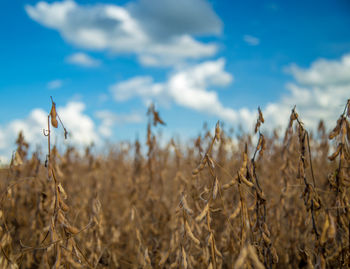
<point x="220" y="201"/>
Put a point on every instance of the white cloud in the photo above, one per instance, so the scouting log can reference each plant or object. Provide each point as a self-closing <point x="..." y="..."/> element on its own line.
<point x="83" y="59"/>
<point x="320" y="96"/>
<point x="188" y="88"/>
<point x="55" y="84"/>
<point x="159" y="32"/>
<point x="31" y="126"/>
<point x="323" y="72"/>
<point x="143" y="87"/>
<point x="251" y="40"/>
<point x="81" y="128"/>
<point x="319" y="92"/>
<point x="108" y="119"/>
<point x="79" y="125"/>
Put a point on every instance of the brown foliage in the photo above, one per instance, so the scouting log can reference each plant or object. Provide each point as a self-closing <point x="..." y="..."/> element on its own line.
<point x="214" y="203"/>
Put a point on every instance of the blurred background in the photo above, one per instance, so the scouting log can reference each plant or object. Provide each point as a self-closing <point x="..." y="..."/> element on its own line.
<point x="105" y="62"/>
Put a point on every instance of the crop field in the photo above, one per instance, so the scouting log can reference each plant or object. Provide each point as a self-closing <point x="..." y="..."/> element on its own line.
<point x="221" y="200"/>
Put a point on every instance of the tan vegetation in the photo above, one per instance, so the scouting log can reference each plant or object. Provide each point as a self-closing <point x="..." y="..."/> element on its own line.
<point x="219" y="202"/>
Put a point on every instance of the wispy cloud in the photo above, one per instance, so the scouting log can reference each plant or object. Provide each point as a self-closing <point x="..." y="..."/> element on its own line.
<point x="83" y="59"/>
<point x="109" y="119"/>
<point x="55" y="84"/>
<point x="251" y="40"/>
<point x="159" y="32"/>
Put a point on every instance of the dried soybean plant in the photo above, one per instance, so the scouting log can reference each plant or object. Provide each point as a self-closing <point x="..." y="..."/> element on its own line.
<point x="254" y="228"/>
<point x="62" y="245"/>
<point x="153" y="120"/>
<point x="246" y="205"/>
<point x="213" y="192"/>
<point x="338" y="227"/>
<point x="311" y="198"/>
<point x="266" y="250"/>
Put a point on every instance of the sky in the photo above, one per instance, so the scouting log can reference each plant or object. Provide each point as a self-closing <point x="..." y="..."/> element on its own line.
<point x="198" y="61"/>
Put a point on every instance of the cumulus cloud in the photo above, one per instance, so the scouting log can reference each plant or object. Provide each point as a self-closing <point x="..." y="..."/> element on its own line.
<point x="83" y="59"/>
<point x="31" y="126"/>
<point x="55" y="84"/>
<point x="251" y="40"/>
<point x="189" y="87"/>
<point x="323" y="72"/>
<point x="319" y="92"/>
<point x="81" y="128"/>
<point x="159" y="32"/>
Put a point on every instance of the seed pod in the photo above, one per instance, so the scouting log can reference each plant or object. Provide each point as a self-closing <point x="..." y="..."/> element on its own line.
<point x="348" y="130"/>
<point x="147" y="258"/>
<point x="316" y="204"/>
<point x="61" y="191"/>
<point x="245" y="181"/>
<point x="259" y="142"/>
<point x="60" y="217"/>
<point x="63" y="206"/>
<point x="336" y="153"/>
<point x="200" y="167"/>
<point x="257" y="125"/>
<point x="17" y="160"/>
<point x="195" y="172"/>
<point x="217" y="131"/>
<point x="261" y="117"/>
<point x="190" y="234"/>
<point x="71" y="229"/>
<point x="332" y="228"/>
<point x="266" y="230"/>
<point x="185" y="205"/>
<point x="344" y="129"/>
<point x="203" y="213"/>
<point x="266" y="239"/>
<point x="263" y="146"/>
<point x="336" y="129"/>
<point x="324" y="231"/>
<point x="163" y="259"/>
<point x="216" y="188"/>
<point x="301" y="171"/>
<point x="210" y="162"/>
<point x="235" y="213"/>
<point x="184" y="258"/>
<point x="274" y="255"/>
<point x="157" y="119"/>
<point x="228" y="185"/>
<point x="53" y="115"/>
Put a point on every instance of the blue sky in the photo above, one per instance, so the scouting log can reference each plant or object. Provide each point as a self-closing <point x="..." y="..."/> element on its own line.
<point x="197" y="60"/>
